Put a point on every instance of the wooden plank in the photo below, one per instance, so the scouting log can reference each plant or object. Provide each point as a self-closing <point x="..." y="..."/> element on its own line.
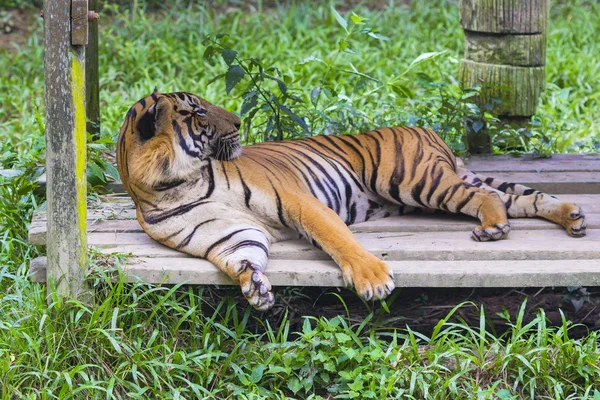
<point x="65" y="152"/>
<point x="92" y="77"/>
<point x="398" y="246"/>
<point x="495" y="273"/>
<point x="125" y="210"/>
<point x="529" y="163"/>
<point x="554" y="182"/>
<point x="406" y="223"/>
<point x="123" y="220"/>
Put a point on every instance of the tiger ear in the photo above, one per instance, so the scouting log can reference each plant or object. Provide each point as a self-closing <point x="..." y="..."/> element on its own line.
<point x="152" y="122"/>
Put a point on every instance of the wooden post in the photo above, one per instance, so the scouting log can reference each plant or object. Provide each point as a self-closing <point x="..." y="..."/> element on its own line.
<point x="505" y="53"/>
<point x="92" y="80"/>
<point x="64" y="67"/>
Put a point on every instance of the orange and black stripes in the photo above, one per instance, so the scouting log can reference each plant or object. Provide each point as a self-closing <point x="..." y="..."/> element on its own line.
<point x="196" y="190"/>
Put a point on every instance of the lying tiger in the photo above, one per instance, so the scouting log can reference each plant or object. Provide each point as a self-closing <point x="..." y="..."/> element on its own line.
<point x="198" y="191"/>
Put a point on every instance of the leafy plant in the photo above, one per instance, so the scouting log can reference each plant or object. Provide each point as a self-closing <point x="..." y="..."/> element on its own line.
<point x="278" y="111"/>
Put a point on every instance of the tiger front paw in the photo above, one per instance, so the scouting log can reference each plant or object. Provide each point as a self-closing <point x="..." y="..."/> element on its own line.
<point x="256" y="288"/>
<point x="371" y="277"/>
<point x="494" y="232"/>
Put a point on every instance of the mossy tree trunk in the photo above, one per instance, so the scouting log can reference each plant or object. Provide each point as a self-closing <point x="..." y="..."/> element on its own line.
<point x="505" y="54"/>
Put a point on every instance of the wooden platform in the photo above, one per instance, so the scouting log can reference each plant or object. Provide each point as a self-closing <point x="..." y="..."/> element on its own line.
<point x="423" y="250"/>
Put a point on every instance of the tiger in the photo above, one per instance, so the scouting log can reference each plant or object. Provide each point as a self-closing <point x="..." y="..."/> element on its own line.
<point x="196" y="189"/>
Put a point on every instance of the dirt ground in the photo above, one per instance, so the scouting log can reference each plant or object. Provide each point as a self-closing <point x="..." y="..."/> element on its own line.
<point x="14" y="28"/>
<point x="422" y="308"/>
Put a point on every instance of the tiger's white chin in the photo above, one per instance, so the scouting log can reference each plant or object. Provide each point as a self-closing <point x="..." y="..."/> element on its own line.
<point x="236" y="152"/>
<point x="231" y="153"/>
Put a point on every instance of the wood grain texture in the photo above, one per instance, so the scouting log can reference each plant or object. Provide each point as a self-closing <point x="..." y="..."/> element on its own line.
<point x="527" y="163"/>
<point x="518" y="88"/>
<point x="406" y="223"/>
<point x="518" y="50"/>
<point x="484" y="273"/>
<point x="92" y="76"/>
<point x="65" y="152"/>
<point x="504" y="16"/>
<point x="79" y="22"/>
<point x="398" y="246"/>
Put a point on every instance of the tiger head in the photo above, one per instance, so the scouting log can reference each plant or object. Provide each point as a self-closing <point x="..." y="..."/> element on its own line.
<point x="169" y="137"/>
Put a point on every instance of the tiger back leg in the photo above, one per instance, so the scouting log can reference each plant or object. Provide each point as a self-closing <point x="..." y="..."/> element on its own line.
<point x="523" y="202"/>
<point x="448" y="192"/>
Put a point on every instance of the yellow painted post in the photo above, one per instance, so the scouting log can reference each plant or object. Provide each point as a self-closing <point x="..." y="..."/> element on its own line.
<point x="64" y="66"/>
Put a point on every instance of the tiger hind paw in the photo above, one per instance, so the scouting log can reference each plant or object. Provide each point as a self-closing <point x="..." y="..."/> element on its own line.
<point x="575" y="224"/>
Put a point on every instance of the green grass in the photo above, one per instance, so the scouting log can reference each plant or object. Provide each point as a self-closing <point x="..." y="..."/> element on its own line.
<point x="146" y="341"/>
<point x="140" y="51"/>
<point x="141" y="341"/>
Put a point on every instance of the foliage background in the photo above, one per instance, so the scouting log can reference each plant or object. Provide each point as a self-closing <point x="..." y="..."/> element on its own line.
<point x="145" y="341"/>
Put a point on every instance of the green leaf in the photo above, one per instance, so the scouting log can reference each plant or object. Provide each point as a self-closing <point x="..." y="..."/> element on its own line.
<point x="357" y="385"/>
<point x="424" y="77"/>
<point x="95" y="175"/>
<point x="342" y="337"/>
<point x="349" y="352"/>
<point x="215" y="79"/>
<point x="110" y="170"/>
<point x="312" y="58"/>
<point x="314" y="96"/>
<point x="280" y="83"/>
<point x="343" y="45"/>
<point x="343" y="23"/>
<point x="257" y="374"/>
<point x="477" y="125"/>
<point x="357" y="19"/>
<point x="233" y="76"/>
<point x="299" y="121"/>
<point x="210" y="52"/>
<point x="378" y="36"/>
<point x="250" y="101"/>
<point x="294" y="385"/>
<point x="402" y="90"/>
<point x="112" y="340"/>
<point x="425" y="56"/>
<point x="228" y="55"/>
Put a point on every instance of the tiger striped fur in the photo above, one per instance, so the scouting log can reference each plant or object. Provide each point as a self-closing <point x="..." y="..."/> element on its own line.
<point x="196" y="190"/>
